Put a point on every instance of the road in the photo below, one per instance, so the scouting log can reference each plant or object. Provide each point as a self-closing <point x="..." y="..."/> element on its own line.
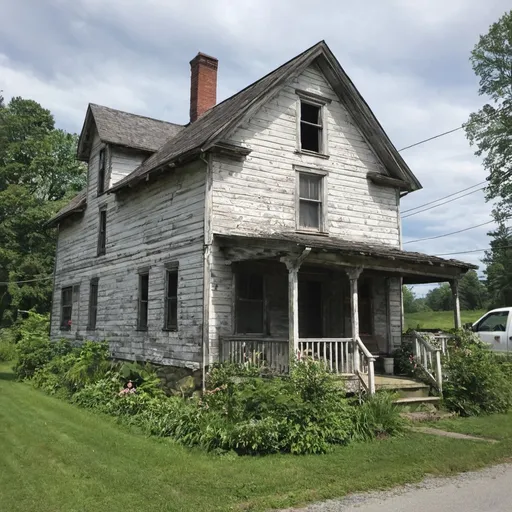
<point x="489" y="490"/>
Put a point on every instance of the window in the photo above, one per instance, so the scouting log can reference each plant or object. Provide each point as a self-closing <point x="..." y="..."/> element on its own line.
<point x="494" y="322"/>
<point x="93" y="304"/>
<point x="310" y="194"/>
<point x="102" y="232"/>
<point x="142" y="320"/>
<point x="171" y="300"/>
<point x="249" y="304"/>
<point x="310" y="127"/>
<point x="66" y="308"/>
<point x="101" y="171"/>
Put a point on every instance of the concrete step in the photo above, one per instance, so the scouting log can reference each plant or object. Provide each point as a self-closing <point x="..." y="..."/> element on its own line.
<point x="416" y="400"/>
<point x="404" y="386"/>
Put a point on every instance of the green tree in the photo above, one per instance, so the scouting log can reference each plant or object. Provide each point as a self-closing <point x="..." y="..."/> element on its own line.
<point x="409" y="300"/>
<point x="440" y="298"/>
<point x="38" y="174"/>
<point x="472" y="292"/>
<point x="499" y="267"/>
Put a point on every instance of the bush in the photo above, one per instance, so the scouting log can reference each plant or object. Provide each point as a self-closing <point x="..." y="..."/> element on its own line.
<point x="376" y="417"/>
<point x="7" y="345"/>
<point x="478" y="382"/>
<point x="222" y="373"/>
<point x="90" y="364"/>
<point x="404" y="360"/>
<point x="144" y="377"/>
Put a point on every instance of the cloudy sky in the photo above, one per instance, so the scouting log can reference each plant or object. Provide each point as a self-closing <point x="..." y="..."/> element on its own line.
<point x="409" y="59"/>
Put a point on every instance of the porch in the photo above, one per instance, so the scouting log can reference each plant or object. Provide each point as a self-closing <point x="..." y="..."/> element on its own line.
<point x="329" y="300"/>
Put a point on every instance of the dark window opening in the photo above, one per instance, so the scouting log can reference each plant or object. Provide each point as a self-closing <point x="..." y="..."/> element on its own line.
<point x="494" y="322"/>
<point x="66" y="308"/>
<point x="310" y="201"/>
<point x="142" y="320"/>
<point x="171" y="300"/>
<point x="249" y="304"/>
<point x="310" y="309"/>
<point x="101" y="171"/>
<point x="93" y="304"/>
<point x="102" y="234"/>
<point x="310" y="127"/>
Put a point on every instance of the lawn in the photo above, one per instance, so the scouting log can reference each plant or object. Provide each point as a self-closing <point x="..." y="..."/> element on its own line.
<point x="439" y="319"/>
<point x="57" y="457"/>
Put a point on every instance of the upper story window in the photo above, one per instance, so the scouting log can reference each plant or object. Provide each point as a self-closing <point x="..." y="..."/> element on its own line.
<point x="311" y="136"/>
<point x="102" y="232"/>
<point x="311" y="202"/>
<point x="101" y="171"/>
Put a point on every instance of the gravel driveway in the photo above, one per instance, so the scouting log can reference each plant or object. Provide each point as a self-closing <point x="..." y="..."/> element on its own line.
<point x="489" y="490"/>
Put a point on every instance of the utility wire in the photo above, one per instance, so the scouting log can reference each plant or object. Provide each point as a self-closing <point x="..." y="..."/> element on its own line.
<point x="444" y="197"/>
<point x="476" y="250"/>
<point x="441" y="204"/>
<point x="26" y="281"/>
<point x="431" y="138"/>
<point x="449" y="234"/>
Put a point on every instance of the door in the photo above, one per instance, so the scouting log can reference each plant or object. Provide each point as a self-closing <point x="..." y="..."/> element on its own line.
<point x="492" y="329"/>
<point x="310" y="309"/>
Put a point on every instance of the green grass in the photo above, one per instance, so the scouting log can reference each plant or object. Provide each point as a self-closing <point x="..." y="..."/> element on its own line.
<point x="439" y="319"/>
<point x="57" y="457"/>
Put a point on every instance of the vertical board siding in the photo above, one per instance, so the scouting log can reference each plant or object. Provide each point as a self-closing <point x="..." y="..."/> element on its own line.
<point x="157" y="223"/>
<point x="258" y="195"/>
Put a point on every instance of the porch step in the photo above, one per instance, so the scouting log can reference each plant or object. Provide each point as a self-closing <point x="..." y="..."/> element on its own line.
<point x="416" y="400"/>
<point x="404" y="386"/>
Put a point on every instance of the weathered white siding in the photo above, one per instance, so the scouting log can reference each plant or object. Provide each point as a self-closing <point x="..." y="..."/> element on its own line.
<point x="122" y="162"/>
<point x="156" y="223"/>
<point x="258" y="196"/>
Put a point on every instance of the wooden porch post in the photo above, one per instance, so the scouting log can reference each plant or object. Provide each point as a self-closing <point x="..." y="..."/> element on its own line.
<point x="293" y="266"/>
<point x="353" y="275"/>
<point x="456" y="302"/>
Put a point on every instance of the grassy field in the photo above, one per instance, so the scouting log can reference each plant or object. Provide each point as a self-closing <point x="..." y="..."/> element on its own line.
<point x="56" y="457"/>
<point x="439" y="319"/>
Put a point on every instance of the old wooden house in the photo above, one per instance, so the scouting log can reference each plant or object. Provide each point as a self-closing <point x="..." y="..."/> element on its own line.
<point x="267" y="227"/>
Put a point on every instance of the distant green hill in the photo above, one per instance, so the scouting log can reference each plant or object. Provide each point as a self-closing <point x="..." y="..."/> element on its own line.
<point x="439" y="319"/>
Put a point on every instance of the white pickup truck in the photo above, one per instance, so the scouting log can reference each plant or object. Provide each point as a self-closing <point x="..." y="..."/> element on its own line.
<point x="495" y="328"/>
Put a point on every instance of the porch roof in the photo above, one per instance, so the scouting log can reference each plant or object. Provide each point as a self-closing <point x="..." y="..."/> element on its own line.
<point x="414" y="267"/>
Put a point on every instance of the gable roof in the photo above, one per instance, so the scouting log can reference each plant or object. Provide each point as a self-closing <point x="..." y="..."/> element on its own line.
<point x="216" y="124"/>
<point x="124" y="129"/>
<point x="76" y="205"/>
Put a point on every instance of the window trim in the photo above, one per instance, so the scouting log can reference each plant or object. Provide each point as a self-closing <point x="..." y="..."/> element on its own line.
<point x="102" y="232"/>
<point x="141" y="274"/>
<point x="102" y="174"/>
<point x="171" y="268"/>
<point x="93" y="285"/>
<point x="264" y="324"/>
<point x="69" y="289"/>
<point x="322" y="175"/>
<point x="317" y="101"/>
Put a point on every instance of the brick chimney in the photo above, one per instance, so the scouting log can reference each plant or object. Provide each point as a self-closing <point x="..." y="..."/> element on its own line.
<point x="203" y="84"/>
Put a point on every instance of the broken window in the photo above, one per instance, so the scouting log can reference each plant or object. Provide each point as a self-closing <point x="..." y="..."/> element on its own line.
<point x="102" y="232"/>
<point x="310" y="201"/>
<point x="101" y="171"/>
<point x="249" y="304"/>
<point x="93" y="304"/>
<point x="171" y="300"/>
<point x="142" y="317"/>
<point x="310" y="127"/>
<point x="66" y="308"/>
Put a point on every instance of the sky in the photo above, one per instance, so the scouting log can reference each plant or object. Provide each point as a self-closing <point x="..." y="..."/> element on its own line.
<point x="408" y="58"/>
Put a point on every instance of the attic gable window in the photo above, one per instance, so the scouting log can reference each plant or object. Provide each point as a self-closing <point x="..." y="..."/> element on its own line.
<point x="101" y="171"/>
<point x="310" y="127"/>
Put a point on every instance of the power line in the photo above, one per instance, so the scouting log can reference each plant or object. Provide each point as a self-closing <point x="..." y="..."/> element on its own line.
<point x="26" y="281"/>
<point x="441" y="204"/>
<point x="444" y="197"/>
<point x="449" y="234"/>
<point x="431" y="138"/>
<point x="476" y="250"/>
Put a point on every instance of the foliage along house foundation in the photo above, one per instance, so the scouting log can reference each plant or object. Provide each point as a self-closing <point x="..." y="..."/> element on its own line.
<point x="267" y="227"/>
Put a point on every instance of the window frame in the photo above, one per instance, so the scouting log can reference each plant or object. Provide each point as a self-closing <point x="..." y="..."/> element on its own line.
<point x="171" y="268"/>
<point x="102" y="232"/>
<point x="101" y="175"/>
<point x="319" y="101"/>
<point x="93" y="304"/>
<point x="237" y="300"/>
<point x="67" y="325"/>
<point x="321" y="175"/>
<point x="505" y="314"/>
<point x="143" y="273"/>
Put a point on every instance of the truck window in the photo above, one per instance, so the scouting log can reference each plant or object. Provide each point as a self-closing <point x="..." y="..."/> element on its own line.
<point x="494" y="322"/>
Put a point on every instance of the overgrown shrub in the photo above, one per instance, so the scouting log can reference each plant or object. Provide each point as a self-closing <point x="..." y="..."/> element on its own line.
<point x="375" y="417"/>
<point x="144" y="377"/>
<point x="221" y="373"/>
<point x="7" y="345"/>
<point x="404" y="360"/>
<point x="477" y="380"/>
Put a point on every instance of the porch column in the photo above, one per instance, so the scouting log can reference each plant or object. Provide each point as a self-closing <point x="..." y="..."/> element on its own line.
<point x="353" y="275"/>
<point x="293" y="266"/>
<point x="456" y="303"/>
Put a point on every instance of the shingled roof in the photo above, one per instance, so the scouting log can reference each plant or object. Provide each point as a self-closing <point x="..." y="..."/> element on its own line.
<point x="76" y="205"/>
<point x="125" y="129"/>
<point x="221" y="120"/>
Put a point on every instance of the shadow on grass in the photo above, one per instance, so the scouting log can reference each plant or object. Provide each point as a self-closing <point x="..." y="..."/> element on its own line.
<point x="7" y="376"/>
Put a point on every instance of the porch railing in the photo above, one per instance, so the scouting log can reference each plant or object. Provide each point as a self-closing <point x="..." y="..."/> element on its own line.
<point x="428" y="357"/>
<point x="335" y="352"/>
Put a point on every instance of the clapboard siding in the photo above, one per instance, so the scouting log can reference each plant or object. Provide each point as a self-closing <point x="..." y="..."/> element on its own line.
<point x="257" y="196"/>
<point x="122" y="162"/>
<point x="155" y="224"/>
